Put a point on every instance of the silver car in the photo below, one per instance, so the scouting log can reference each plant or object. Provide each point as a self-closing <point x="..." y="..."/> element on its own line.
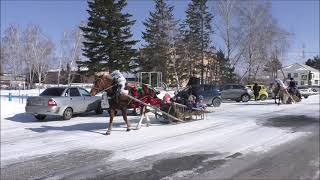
<point x="236" y="92"/>
<point x="63" y="101"/>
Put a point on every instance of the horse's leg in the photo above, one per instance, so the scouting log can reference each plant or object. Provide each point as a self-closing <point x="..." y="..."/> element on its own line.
<point x="275" y="97"/>
<point x="142" y="115"/>
<point x="125" y="117"/>
<point x="112" y="114"/>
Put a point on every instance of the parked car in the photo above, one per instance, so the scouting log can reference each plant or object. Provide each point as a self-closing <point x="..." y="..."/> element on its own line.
<point x="63" y="101"/>
<point x="211" y="94"/>
<point x="263" y="93"/>
<point x="235" y="92"/>
<point x="306" y="91"/>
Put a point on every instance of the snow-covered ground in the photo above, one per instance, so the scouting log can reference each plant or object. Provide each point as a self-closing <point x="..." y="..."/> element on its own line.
<point x="231" y="128"/>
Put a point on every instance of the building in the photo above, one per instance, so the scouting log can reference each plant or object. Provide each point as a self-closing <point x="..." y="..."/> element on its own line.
<point x="8" y="80"/>
<point x="303" y="75"/>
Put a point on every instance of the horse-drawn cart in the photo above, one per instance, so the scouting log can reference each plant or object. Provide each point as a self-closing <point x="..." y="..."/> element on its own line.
<point x="171" y="109"/>
<point x="144" y="97"/>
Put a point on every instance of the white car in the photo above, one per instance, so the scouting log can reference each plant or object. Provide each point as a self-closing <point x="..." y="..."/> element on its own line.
<point x="306" y="91"/>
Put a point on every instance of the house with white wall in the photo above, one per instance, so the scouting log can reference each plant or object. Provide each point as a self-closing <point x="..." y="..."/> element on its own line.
<point x="303" y="75"/>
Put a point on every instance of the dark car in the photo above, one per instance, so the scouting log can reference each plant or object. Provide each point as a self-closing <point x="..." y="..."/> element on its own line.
<point x="211" y="94"/>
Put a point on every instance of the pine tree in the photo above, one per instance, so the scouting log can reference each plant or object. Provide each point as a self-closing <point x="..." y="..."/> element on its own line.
<point x="226" y="72"/>
<point x="160" y="39"/>
<point x="108" y="43"/>
<point x="197" y="34"/>
<point x="315" y="62"/>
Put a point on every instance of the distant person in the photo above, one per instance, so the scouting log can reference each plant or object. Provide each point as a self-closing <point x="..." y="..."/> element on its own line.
<point x="194" y="84"/>
<point x="292" y="83"/>
<point x="292" y="86"/>
<point x="256" y="90"/>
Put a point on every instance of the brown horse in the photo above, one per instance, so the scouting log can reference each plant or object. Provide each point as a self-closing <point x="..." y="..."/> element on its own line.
<point x="105" y="83"/>
<point x="280" y="92"/>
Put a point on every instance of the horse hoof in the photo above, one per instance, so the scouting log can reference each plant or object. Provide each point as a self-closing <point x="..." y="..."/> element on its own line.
<point x="128" y="130"/>
<point x="108" y="133"/>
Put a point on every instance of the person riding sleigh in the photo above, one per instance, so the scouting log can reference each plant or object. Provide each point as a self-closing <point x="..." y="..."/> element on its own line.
<point x="119" y="83"/>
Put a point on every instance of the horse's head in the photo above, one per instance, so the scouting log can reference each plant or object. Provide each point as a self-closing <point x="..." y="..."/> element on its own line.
<point x="101" y="83"/>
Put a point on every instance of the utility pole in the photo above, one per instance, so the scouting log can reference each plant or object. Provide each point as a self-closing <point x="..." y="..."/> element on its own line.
<point x="303" y="52"/>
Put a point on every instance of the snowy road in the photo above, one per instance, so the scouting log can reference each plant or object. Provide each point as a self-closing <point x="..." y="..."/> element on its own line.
<point x="245" y="140"/>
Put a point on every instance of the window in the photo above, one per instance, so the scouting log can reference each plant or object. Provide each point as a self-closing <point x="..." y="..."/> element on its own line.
<point x="207" y="87"/>
<point x="304" y="77"/>
<point x="74" y="92"/>
<point x="238" y="87"/>
<point x="84" y="92"/>
<point x="302" y="83"/>
<point x="316" y="82"/>
<point x="295" y="75"/>
<point x="52" y="92"/>
<point x="226" y="87"/>
<point x="289" y="75"/>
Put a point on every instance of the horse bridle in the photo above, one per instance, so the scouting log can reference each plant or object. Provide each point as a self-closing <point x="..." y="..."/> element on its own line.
<point x="99" y="90"/>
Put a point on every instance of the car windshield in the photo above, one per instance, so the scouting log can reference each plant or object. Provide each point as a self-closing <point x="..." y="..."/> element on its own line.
<point x="52" y="92"/>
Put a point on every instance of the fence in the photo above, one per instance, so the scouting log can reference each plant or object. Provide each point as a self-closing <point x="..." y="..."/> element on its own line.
<point x="20" y="95"/>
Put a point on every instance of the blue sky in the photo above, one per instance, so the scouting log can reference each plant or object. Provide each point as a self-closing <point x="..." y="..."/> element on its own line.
<point x="300" y="17"/>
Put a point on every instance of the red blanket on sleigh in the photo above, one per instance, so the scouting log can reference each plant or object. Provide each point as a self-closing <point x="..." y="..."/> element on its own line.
<point x="144" y="93"/>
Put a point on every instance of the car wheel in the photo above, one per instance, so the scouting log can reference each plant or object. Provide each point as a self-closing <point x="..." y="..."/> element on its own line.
<point x="305" y="97"/>
<point x="99" y="110"/>
<point x="216" y="102"/>
<point x="67" y="114"/>
<point x="263" y="97"/>
<point x="40" y="117"/>
<point x="245" y="98"/>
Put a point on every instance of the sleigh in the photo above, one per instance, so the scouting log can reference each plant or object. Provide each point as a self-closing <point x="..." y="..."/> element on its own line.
<point x="146" y="99"/>
<point x="182" y="112"/>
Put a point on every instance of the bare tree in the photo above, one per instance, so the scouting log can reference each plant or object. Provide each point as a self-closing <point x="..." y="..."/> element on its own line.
<point x="225" y="22"/>
<point x="28" y="38"/>
<point x="38" y="52"/>
<point x="254" y="22"/>
<point x="71" y="50"/>
<point x="277" y="47"/>
<point x="3" y="61"/>
<point x="63" y="44"/>
<point x="11" y="50"/>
